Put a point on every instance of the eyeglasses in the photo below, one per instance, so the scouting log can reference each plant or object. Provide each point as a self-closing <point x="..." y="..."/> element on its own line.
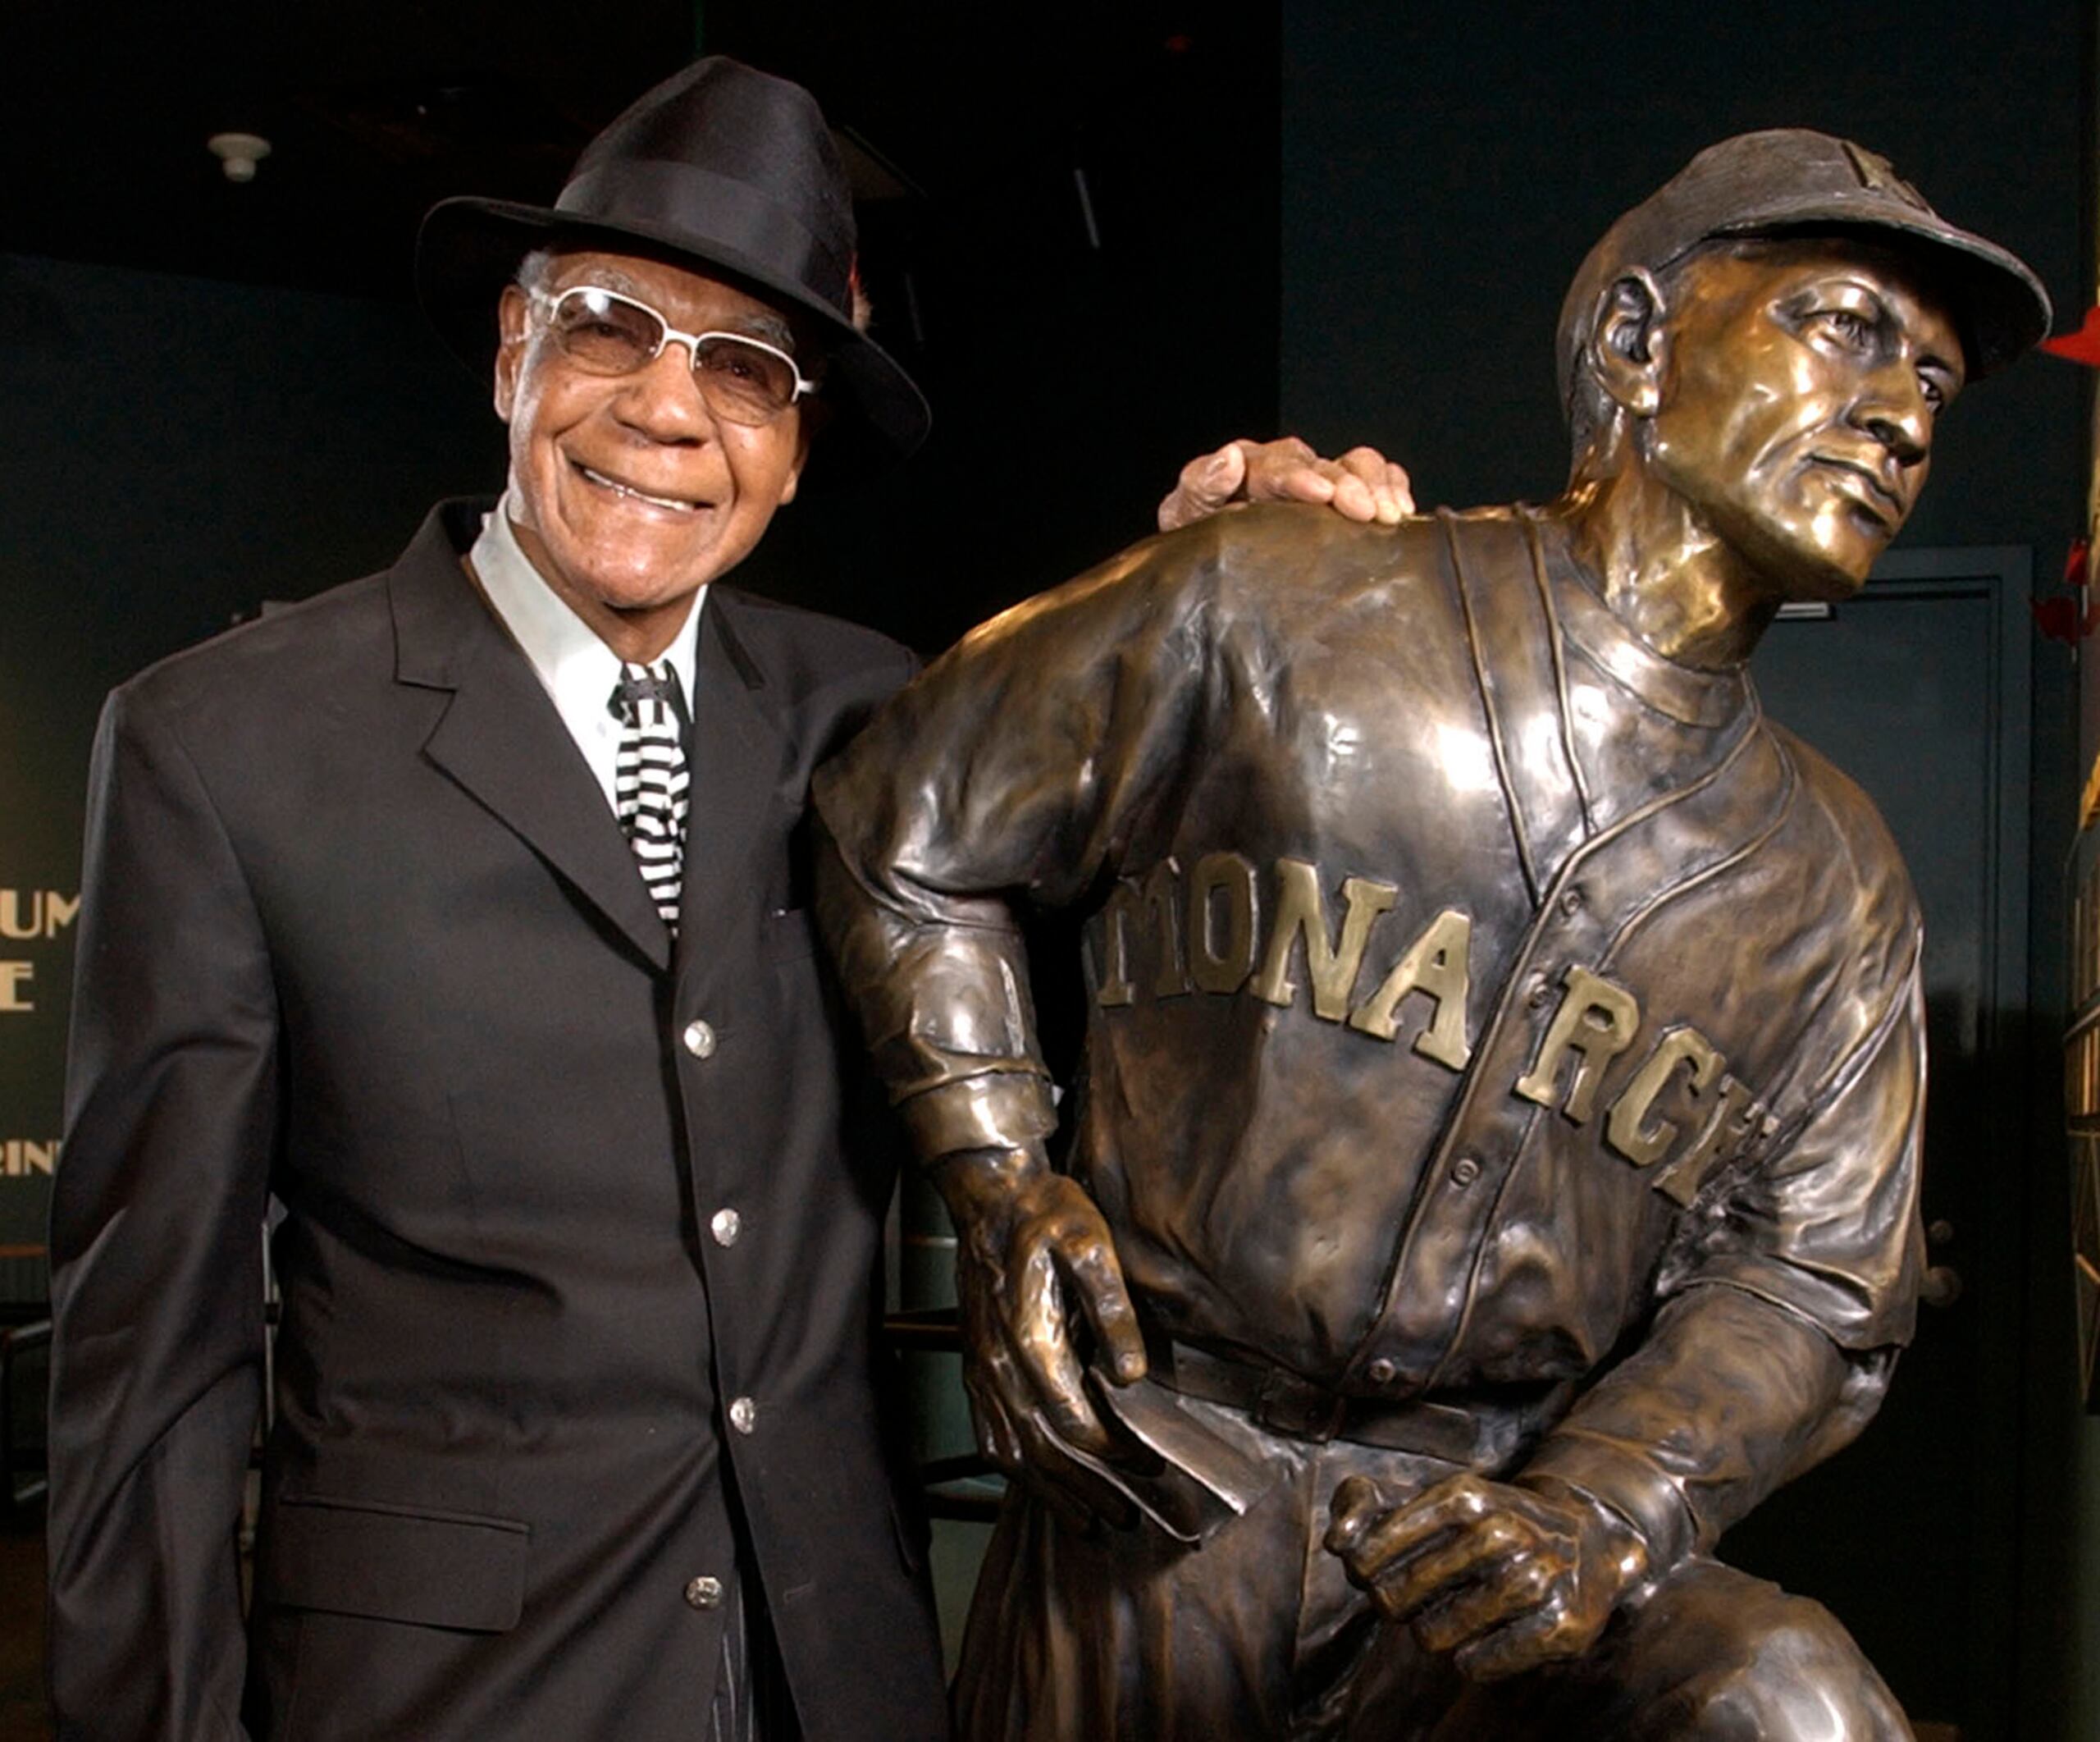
<point x="742" y="380"/>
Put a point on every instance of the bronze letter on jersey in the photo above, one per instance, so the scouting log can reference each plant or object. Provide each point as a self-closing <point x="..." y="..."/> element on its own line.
<point x="1627" y="1126"/>
<point x="1230" y="876"/>
<point x="1163" y="896"/>
<point x="1736" y="1119"/>
<point x="1115" y="972"/>
<point x="1596" y="1019"/>
<point x="1435" y="965"/>
<point x="1300" y="911"/>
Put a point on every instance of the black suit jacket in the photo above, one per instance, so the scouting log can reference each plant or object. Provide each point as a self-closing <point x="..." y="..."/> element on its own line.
<point x="361" y="932"/>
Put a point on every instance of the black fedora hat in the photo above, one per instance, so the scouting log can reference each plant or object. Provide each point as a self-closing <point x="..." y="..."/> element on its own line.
<point x="719" y="167"/>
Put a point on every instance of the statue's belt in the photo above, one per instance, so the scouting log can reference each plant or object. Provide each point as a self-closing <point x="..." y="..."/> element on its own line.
<point x="1484" y="1431"/>
<point x="1189" y="1477"/>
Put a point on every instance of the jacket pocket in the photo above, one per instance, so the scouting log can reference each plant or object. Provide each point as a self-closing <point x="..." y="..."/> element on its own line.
<point x="460" y="1570"/>
<point x="788" y="934"/>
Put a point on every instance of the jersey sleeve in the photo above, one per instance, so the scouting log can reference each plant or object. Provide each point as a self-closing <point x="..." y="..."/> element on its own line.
<point x="1017" y="770"/>
<point x="1826" y="1224"/>
<point x="1784" y="1308"/>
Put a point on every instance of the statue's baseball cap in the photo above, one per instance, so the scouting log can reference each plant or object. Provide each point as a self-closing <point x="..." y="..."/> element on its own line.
<point x="1788" y="181"/>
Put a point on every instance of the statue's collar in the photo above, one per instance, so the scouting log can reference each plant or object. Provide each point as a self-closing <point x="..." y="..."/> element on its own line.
<point x="1685" y="694"/>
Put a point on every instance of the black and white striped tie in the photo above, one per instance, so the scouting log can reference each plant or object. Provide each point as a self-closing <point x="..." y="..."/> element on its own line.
<point x="650" y="779"/>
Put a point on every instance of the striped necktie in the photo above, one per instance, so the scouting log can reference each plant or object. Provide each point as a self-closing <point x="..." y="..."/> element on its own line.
<point x="650" y="779"/>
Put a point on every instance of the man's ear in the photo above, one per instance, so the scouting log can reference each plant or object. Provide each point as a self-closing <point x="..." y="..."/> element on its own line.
<point x="1631" y="342"/>
<point x="510" y="324"/>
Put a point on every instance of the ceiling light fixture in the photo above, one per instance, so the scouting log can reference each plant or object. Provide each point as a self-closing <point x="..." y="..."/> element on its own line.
<point x="239" y="153"/>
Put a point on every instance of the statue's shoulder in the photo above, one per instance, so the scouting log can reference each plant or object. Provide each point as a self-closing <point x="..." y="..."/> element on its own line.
<point x="1859" y="863"/>
<point x="1311" y="550"/>
<point x="1275" y="570"/>
<point x="1300" y="569"/>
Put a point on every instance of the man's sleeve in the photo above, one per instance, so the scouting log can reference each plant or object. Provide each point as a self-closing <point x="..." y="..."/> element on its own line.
<point x="157" y="1289"/>
<point x="1785" y="1311"/>
<point x="1019" y="769"/>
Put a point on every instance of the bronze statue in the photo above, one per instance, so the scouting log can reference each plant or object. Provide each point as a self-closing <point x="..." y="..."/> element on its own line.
<point x="1493" y="1165"/>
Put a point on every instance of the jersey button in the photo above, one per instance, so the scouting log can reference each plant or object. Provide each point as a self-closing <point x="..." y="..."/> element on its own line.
<point x="1464" y="1171"/>
<point x="703" y="1593"/>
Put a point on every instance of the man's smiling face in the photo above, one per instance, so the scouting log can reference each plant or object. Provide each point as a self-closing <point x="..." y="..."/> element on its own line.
<point x="629" y="494"/>
<point x="1800" y="390"/>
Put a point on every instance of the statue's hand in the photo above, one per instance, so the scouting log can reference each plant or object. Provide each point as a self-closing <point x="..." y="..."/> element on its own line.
<point x="1361" y="485"/>
<point x="1506" y="1578"/>
<point x="1030" y="1248"/>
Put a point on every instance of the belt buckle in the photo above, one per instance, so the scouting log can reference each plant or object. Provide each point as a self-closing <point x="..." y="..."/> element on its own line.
<point x="1289" y="1404"/>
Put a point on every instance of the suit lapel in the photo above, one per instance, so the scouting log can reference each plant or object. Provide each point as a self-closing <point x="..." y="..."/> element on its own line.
<point x="501" y="739"/>
<point x="741" y="746"/>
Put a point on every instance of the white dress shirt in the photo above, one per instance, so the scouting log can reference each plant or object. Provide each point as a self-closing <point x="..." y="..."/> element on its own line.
<point x="577" y="669"/>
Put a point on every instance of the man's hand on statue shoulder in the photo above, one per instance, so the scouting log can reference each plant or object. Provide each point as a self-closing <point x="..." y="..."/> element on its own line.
<point x="1361" y="485"/>
<point x="1505" y="1577"/>
<point x="1034" y="1260"/>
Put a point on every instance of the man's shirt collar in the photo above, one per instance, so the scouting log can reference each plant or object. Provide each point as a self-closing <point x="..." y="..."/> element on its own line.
<point x="577" y="669"/>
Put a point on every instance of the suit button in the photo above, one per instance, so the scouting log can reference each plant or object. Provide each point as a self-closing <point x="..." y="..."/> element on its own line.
<point x="1571" y="903"/>
<point x="743" y="1414"/>
<point x="1382" y="1371"/>
<point x="725" y="1226"/>
<point x="1464" y="1171"/>
<point x="705" y="1592"/>
<point x="699" y="1039"/>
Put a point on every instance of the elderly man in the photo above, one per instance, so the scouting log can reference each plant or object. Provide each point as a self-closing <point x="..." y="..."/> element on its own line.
<point x="1494" y="1164"/>
<point x="462" y="912"/>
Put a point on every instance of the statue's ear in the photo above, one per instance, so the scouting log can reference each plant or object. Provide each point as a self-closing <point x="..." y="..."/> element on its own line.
<point x="1630" y="342"/>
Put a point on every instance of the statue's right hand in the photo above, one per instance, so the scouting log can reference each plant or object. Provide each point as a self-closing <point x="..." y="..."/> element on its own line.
<point x="1030" y="1248"/>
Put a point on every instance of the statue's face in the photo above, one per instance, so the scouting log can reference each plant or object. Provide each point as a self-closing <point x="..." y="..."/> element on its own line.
<point x="1800" y="382"/>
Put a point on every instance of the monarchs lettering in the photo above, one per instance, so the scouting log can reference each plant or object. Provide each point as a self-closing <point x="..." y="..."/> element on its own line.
<point x="1296" y="938"/>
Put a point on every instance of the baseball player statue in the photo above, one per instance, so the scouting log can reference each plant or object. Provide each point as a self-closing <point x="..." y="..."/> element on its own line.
<point x="1492" y="1166"/>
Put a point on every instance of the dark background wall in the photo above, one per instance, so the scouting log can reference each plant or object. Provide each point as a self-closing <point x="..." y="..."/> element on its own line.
<point x="177" y="452"/>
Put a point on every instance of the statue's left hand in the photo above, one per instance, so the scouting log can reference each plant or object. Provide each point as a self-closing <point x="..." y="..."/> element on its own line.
<point x="1505" y="1578"/>
<point x="1034" y="1262"/>
<point x="1361" y="485"/>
